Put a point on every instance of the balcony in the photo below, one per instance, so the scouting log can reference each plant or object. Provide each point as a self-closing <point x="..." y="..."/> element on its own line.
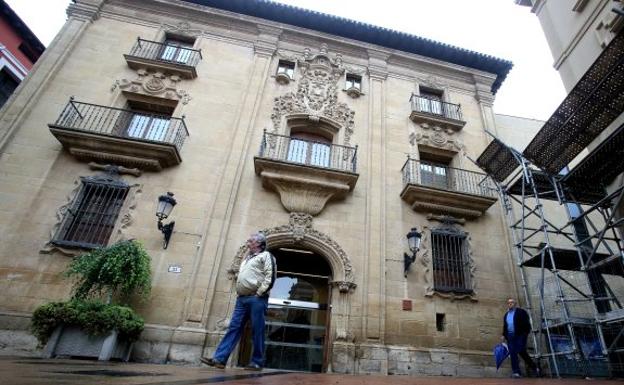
<point x="166" y="58"/>
<point x="124" y="137"/>
<point x="432" y="111"/>
<point x="446" y="190"/>
<point x="306" y="174"/>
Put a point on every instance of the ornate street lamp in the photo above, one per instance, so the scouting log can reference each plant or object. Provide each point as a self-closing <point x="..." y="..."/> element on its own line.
<point x="413" y="240"/>
<point x="165" y="205"/>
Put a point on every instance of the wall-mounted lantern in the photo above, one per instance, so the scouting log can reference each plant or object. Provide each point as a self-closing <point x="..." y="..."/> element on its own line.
<point x="413" y="240"/>
<point x="165" y="205"/>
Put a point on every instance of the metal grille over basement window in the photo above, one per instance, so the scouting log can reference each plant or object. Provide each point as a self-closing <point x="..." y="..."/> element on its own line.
<point x="91" y="217"/>
<point x="451" y="269"/>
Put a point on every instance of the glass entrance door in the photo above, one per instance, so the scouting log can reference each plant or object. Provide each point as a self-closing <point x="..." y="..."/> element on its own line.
<point x="296" y="323"/>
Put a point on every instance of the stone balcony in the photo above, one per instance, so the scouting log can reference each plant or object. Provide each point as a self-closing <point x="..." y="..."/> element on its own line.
<point x="112" y="135"/>
<point x="435" y="112"/>
<point x="304" y="173"/>
<point x="165" y="58"/>
<point x="446" y="190"/>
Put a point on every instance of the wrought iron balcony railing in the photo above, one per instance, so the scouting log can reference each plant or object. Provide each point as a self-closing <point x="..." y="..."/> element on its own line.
<point x="121" y="123"/>
<point x="165" y="52"/>
<point x="431" y="106"/>
<point x="307" y="152"/>
<point x="447" y="178"/>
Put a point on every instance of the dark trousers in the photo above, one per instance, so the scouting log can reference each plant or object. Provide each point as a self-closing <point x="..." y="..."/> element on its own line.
<point x="251" y="308"/>
<point x="517" y="347"/>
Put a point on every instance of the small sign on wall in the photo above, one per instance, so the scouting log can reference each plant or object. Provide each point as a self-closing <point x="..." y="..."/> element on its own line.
<point x="174" y="269"/>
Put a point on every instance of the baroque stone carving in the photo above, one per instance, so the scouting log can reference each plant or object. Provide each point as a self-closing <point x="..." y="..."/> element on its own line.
<point x="317" y="92"/>
<point x="427" y="263"/>
<point x="118" y="169"/>
<point x="154" y="84"/>
<point x="436" y="136"/>
<point x="299" y="232"/>
<point x="182" y="28"/>
<point x="431" y="81"/>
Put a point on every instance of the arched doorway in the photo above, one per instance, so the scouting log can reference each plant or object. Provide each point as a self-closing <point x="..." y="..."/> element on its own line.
<point x="297" y="322"/>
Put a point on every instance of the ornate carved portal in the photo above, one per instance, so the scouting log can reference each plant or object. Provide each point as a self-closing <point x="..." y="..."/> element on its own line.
<point x="317" y="93"/>
<point x="299" y="232"/>
<point x="315" y="109"/>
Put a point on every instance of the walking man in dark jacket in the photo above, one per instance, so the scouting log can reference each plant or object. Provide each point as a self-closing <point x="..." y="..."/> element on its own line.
<point x="516" y="329"/>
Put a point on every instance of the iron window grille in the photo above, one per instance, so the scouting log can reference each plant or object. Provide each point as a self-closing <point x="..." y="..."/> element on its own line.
<point x="90" y="218"/>
<point x="451" y="265"/>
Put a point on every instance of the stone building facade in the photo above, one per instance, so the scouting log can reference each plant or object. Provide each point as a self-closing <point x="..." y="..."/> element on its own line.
<point x="333" y="137"/>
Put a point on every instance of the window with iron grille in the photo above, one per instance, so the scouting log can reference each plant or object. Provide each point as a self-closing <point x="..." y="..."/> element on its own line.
<point x="451" y="266"/>
<point x="90" y="218"/>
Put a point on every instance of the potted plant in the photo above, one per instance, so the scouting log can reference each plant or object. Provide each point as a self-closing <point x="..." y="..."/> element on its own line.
<point x="96" y="321"/>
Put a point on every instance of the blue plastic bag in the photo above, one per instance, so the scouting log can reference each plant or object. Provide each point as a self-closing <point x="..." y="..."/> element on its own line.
<point x="501" y="352"/>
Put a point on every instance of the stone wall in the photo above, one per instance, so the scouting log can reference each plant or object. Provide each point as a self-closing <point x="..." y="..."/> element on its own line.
<point x="221" y="200"/>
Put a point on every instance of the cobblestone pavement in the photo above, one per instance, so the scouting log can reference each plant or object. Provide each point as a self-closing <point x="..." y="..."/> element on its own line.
<point x="34" y="371"/>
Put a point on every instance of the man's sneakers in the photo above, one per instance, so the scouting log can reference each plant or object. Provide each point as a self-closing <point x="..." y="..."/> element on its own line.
<point x="253" y="366"/>
<point x="212" y="362"/>
<point x="516" y="375"/>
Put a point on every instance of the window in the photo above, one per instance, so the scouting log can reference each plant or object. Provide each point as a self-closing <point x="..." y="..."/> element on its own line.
<point x="434" y="174"/>
<point x="430" y="101"/>
<point x="91" y="217"/>
<point x="177" y="50"/>
<point x="146" y="121"/>
<point x="353" y="82"/>
<point x="148" y="127"/>
<point x="8" y="84"/>
<point x="287" y="68"/>
<point x="309" y="149"/>
<point x="440" y="322"/>
<point x="451" y="269"/>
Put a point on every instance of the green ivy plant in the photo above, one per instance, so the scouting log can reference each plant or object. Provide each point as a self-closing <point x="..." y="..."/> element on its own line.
<point x="115" y="272"/>
<point x="94" y="317"/>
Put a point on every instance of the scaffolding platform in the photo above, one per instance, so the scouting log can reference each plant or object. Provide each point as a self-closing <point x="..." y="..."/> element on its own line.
<point x="498" y="160"/>
<point x="602" y="165"/>
<point x="583" y="193"/>
<point x="594" y="103"/>
<point x="567" y="259"/>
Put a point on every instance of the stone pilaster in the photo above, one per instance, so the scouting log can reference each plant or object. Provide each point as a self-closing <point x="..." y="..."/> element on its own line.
<point x="374" y="263"/>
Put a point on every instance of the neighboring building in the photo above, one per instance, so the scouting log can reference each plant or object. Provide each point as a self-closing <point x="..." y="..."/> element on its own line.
<point x="333" y="137"/>
<point x="567" y="187"/>
<point x="19" y="50"/>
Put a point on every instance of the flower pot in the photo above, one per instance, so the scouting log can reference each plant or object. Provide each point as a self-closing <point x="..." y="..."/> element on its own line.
<point x="69" y="340"/>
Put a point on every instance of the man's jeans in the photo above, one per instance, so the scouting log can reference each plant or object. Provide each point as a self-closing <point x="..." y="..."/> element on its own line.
<point x="252" y="308"/>
<point x="517" y="346"/>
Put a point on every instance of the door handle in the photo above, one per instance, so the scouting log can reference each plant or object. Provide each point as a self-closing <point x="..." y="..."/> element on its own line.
<point x="286" y="302"/>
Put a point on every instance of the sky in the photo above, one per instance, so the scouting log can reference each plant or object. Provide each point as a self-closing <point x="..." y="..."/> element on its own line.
<point x="499" y="28"/>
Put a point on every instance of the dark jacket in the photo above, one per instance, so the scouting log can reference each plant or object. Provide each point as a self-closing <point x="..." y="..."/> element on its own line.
<point x="522" y="324"/>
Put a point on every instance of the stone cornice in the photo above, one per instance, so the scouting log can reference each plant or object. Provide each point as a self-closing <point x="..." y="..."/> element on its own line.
<point x="223" y="26"/>
<point x="88" y="10"/>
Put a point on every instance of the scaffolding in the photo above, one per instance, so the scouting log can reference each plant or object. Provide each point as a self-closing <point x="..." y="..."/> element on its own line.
<point x="565" y="225"/>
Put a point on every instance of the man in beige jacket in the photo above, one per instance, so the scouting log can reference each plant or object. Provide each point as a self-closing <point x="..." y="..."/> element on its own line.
<point x="255" y="279"/>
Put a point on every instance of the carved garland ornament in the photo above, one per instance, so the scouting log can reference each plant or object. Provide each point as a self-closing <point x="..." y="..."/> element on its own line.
<point x="154" y="84"/>
<point x="317" y="93"/>
<point x="436" y="136"/>
<point x="426" y="261"/>
<point x="299" y="231"/>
